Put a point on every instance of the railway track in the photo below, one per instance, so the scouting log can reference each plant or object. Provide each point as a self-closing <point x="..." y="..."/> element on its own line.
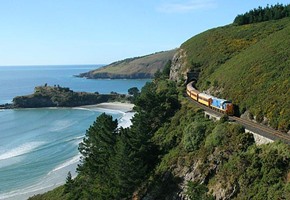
<point x="251" y="126"/>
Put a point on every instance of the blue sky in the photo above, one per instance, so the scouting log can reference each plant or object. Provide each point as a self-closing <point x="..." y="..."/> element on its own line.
<point x="36" y="32"/>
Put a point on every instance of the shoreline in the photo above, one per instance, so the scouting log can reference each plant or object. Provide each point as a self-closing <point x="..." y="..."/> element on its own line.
<point x="125" y="109"/>
<point x="116" y="106"/>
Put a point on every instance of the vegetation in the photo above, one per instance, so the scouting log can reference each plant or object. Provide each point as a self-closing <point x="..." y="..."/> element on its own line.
<point x="133" y="68"/>
<point x="56" y="96"/>
<point x="239" y="62"/>
<point x="275" y="12"/>
<point x="222" y="157"/>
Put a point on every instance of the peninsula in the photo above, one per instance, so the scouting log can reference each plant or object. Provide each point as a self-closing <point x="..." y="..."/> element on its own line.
<point x="143" y="67"/>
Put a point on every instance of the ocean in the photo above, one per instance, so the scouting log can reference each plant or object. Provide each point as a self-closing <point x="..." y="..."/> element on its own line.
<point x="39" y="146"/>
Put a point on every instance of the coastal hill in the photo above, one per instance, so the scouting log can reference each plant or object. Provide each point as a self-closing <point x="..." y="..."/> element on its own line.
<point x="248" y="64"/>
<point x="132" y="68"/>
<point x="56" y="96"/>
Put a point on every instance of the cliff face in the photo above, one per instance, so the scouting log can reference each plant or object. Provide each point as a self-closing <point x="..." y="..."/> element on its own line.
<point x="32" y="101"/>
<point x="178" y="66"/>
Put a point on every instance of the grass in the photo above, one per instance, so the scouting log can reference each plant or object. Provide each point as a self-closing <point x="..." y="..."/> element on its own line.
<point x="133" y="66"/>
<point x="249" y="65"/>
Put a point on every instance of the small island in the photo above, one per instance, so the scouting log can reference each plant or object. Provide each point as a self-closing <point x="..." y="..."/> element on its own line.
<point x="57" y="96"/>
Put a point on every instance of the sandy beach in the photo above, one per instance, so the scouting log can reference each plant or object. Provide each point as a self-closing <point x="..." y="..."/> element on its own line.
<point x="125" y="108"/>
<point x="58" y="175"/>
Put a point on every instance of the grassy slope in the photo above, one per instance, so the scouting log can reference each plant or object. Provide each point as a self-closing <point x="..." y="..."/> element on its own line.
<point x="249" y="64"/>
<point x="147" y="64"/>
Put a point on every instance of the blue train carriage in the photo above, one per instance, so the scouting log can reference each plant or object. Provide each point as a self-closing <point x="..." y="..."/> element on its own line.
<point x="191" y="91"/>
<point x="205" y="99"/>
<point x="222" y="105"/>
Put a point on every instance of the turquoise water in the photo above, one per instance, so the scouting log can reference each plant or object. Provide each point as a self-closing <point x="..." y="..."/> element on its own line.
<point x="39" y="146"/>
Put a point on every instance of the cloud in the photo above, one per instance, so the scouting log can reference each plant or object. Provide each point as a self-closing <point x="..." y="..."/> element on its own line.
<point x="186" y="6"/>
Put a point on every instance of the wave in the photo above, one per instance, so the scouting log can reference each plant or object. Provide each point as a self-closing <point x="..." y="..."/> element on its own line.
<point x="93" y="108"/>
<point x="82" y="108"/>
<point x="76" y="140"/>
<point x="73" y="160"/>
<point x="29" y="191"/>
<point x="61" y="125"/>
<point x="21" y="150"/>
<point x="125" y="120"/>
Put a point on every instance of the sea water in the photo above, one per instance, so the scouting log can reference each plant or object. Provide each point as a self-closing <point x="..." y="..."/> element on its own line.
<point x="39" y="146"/>
<point x="21" y="80"/>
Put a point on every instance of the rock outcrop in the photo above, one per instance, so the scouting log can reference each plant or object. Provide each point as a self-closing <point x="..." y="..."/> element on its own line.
<point x="56" y="96"/>
<point x="177" y="70"/>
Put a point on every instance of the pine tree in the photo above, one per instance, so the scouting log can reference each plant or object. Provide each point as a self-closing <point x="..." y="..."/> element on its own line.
<point x="96" y="147"/>
<point x="128" y="165"/>
<point x="68" y="187"/>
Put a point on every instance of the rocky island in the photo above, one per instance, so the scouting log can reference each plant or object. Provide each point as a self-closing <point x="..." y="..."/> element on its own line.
<point x="56" y="96"/>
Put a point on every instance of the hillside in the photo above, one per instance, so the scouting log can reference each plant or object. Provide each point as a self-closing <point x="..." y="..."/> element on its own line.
<point x="132" y="68"/>
<point x="248" y="64"/>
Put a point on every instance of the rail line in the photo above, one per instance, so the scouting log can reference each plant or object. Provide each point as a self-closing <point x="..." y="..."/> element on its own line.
<point x="251" y="126"/>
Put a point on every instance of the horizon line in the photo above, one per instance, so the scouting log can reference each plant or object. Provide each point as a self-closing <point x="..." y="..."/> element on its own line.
<point x="43" y="65"/>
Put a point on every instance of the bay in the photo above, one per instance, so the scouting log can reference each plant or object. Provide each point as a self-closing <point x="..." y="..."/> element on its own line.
<point x="39" y="146"/>
<point x="21" y="80"/>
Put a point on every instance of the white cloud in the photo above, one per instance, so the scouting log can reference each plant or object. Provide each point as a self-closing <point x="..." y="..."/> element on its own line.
<point x="186" y="6"/>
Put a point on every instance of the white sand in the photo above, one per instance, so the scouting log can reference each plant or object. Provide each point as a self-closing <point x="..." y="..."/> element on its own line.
<point x="116" y="106"/>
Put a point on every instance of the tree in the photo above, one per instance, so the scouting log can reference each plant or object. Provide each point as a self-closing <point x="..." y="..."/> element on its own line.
<point x="69" y="183"/>
<point x="196" y="191"/>
<point x="128" y="164"/>
<point x="166" y="69"/>
<point x="134" y="91"/>
<point x="96" y="148"/>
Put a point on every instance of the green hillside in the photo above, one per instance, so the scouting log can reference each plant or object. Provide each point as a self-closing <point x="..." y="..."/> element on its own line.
<point x="248" y="64"/>
<point x="138" y="67"/>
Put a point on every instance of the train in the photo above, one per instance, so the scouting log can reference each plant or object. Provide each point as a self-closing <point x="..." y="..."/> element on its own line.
<point x="221" y="105"/>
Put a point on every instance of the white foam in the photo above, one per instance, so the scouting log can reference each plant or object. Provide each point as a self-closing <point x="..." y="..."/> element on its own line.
<point x="73" y="160"/>
<point x="125" y="120"/>
<point x="61" y="125"/>
<point x="53" y="179"/>
<point x="20" y="150"/>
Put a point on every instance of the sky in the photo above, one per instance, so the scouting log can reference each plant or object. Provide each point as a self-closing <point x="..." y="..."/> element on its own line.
<point x="64" y="32"/>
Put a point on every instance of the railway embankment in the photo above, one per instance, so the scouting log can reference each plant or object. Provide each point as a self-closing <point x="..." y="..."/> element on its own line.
<point x="262" y="134"/>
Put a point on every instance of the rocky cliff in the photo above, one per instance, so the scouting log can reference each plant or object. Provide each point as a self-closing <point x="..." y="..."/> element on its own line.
<point x="178" y="68"/>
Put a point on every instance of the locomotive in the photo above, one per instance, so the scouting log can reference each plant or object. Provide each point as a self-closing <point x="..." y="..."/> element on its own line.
<point x="220" y="105"/>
